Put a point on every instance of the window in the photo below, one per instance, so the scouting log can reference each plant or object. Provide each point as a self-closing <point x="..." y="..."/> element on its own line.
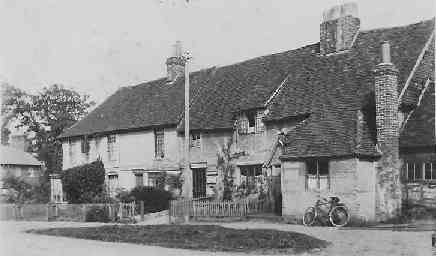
<point x="250" y="176"/>
<point x="419" y="171"/>
<point x="159" y="143"/>
<point x="195" y="140"/>
<point x="111" y="147"/>
<point x="251" y="122"/>
<point x="97" y="147"/>
<point x="155" y="179"/>
<point x="317" y="175"/>
<point x="139" y="179"/>
<point x="84" y="146"/>
<point x="113" y="184"/>
<point x="72" y="151"/>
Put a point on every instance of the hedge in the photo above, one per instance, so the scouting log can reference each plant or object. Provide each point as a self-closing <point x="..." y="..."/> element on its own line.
<point x="85" y="183"/>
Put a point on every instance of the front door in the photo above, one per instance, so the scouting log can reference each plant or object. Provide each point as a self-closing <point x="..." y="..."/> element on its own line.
<point x="198" y="182"/>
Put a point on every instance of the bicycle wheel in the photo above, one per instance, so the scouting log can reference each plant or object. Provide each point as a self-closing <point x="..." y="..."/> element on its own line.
<point x="339" y="216"/>
<point x="309" y="216"/>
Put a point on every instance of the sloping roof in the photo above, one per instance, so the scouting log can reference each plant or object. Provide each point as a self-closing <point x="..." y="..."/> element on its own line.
<point x="13" y="156"/>
<point x="420" y="128"/>
<point x="152" y="104"/>
<point x="242" y="86"/>
<point x="333" y="88"/>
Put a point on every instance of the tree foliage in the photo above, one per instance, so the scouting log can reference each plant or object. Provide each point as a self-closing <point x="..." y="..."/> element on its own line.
<point x="20" y="191"/>
<point x="46" y="114"/>
<point x="85" y="183"/>
<point x="225" y="168"/>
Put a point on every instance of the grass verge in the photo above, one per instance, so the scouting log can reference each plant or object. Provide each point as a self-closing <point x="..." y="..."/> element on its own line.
<point x="196" y="237"/>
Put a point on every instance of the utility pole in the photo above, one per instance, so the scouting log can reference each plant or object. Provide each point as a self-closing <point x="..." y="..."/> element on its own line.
<point x="187" y="182"/>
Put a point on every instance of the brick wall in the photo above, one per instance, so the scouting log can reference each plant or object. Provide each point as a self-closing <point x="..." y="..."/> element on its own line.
<point x="388" y="201"/>
<point x="338" y="35"/>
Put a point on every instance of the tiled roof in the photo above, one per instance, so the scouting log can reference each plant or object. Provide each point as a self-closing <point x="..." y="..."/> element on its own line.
<point x="151" y="104"/>
<point x="13" y="156"/>
<point x="420" y="128"/>
<point x="329" y="88"/>
<point x="242" y="86"/>
<point x="333" y="88"/>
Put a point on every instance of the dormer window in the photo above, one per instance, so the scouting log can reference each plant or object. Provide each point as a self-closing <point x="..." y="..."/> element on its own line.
<point x="251" y="122"/>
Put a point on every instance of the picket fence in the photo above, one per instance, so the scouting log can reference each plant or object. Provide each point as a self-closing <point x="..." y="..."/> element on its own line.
<point x="63" y="211"/>
<point x="207" y="208"/>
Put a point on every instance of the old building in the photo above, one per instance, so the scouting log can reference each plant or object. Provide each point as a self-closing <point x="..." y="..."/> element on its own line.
<point x="338" y="117"/>
<point x="370" y="108"/>
<point x="17" y="163"/>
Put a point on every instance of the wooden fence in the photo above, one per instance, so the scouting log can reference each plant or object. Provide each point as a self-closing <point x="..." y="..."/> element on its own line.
<point x="63" y="212"/>
<point x="206" y="208"/>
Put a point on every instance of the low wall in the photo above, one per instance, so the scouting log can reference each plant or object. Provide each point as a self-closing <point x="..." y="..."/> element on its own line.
<point x="30" y="212"/>
<point x="419" y="194"/>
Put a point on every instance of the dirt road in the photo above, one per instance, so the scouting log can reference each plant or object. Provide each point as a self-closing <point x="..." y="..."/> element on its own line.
<point x="344" y="242"/>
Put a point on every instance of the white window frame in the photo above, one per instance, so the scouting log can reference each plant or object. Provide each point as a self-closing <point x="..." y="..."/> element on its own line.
<point x="113" y="183"/>
<point x="159" y="153"/>
<point x="195" y="140"/>
<point x="112" y="147"/>
<point x="317" y="182"/>
<point x="257" y="124"/>
<point x="72" y="152"/>
<point x="410" y="167"/>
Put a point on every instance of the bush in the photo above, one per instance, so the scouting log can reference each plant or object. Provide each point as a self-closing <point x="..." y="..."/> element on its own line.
<point x="97" y="214"/>
<point x="155" y="199"/>
<point x="84" y="183"/>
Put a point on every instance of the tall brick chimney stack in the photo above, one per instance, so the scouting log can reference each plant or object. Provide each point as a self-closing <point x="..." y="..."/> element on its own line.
<point x="388" y="169"/>
<point x="339" y="27"/>
<point x="175" y="63"/>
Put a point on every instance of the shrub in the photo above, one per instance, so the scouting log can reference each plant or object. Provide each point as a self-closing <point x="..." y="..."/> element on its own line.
<point x="84" y="183"/>
<point x="155" y="199"/>
<point x="97" y="214"/>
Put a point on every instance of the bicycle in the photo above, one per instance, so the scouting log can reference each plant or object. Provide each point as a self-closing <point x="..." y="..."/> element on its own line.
<point x="337" y="213"/>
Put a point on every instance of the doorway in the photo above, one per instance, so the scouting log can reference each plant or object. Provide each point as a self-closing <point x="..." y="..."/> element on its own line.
<point x="198" y="182"/>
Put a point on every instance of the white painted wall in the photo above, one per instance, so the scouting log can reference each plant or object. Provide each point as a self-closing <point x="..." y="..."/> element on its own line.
<point x="135" y="150"/>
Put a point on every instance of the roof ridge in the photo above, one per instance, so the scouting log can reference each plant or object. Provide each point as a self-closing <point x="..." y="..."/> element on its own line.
<point x="399" y="26"/>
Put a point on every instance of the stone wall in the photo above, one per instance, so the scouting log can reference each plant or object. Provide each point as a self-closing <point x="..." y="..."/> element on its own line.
<point x="352" y="180"/>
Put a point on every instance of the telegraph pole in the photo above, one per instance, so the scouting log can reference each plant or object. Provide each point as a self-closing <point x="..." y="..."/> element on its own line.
<point x="187" y="182"/>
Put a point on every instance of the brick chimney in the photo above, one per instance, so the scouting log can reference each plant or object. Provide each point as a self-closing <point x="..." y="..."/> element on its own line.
<point x="388" y="186"/>
<point x="175" y="63"/>
<point x="339" y="27"/>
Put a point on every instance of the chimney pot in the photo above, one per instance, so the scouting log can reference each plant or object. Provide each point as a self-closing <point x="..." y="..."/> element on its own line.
<point x="386" y="52"/>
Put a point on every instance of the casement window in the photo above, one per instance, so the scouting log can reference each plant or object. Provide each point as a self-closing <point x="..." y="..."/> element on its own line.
<point x="195" y="140"/>
<point x="139" y="179"/>
<point x="419" y="171"/>
<point x="112" y="184"/>
<point x="111" y="147"/>
<point x="250" y="175"/>
<point x="159" y="143"/>
<point x="317" y="175"/>
<point x="251" y="122"/>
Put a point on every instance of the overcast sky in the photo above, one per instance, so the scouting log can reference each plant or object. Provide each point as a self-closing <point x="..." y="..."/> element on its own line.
<point x="97" y="46"/>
